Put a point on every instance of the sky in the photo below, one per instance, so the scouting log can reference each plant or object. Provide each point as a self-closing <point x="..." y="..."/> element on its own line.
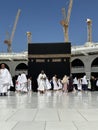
<point x="42" y="18"/>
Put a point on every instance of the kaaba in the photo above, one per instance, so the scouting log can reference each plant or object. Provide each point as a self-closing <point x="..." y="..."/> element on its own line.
<point x="53" y="58"/>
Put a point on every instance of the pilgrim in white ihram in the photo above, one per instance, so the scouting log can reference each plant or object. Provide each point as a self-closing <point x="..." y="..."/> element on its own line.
<point x="5" y="80"/>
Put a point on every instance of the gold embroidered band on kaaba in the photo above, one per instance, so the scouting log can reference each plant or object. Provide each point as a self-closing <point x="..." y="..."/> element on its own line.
<point x="49" y="55"/>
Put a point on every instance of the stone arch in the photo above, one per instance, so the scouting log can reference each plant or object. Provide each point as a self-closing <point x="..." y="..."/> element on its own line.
<point x="77" y="67"/>
<point x="95" y="62"/>
<point x="22" y="67"/>
<point x="94" y="67"/>
<point x="77" y="63"/>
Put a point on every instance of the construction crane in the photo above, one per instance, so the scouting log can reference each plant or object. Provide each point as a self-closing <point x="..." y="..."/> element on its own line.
<point x="65" y="21"/>
<point x="9" y="41"/>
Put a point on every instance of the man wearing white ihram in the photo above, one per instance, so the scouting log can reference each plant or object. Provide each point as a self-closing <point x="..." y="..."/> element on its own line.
<point x="18" y="83"/>
<point x="5" y="80"/>
<point x="23" y="82"/>
<point x="41" y="80"/>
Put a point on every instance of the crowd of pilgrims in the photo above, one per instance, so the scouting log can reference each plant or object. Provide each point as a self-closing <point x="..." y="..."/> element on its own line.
<point x="21" y="84"/>
<point x="66" y="84"/>
<point x="24" y="84"/>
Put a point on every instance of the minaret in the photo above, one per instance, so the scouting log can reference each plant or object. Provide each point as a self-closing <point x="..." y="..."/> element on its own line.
<point x="29" y="37"/>
<point x="89" y="33"/>
<point x="89" y="30"/>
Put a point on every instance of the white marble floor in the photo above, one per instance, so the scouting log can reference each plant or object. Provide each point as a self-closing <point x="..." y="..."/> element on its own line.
<point x="49" y="111"/>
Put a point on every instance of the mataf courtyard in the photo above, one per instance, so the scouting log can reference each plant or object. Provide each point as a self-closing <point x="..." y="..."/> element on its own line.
<point x="49" y="111"/>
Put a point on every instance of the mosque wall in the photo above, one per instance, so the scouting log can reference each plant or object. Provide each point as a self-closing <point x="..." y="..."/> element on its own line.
<point x="12" y="66"/>
<point x="87" y="61"/>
